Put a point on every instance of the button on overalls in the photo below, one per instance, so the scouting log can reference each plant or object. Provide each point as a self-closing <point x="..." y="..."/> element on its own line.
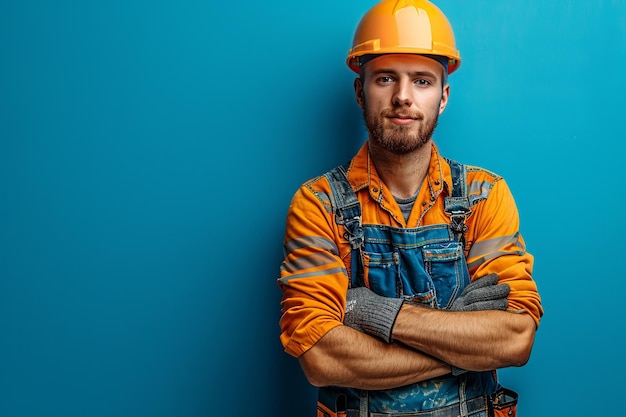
<point x="423" y="265"/>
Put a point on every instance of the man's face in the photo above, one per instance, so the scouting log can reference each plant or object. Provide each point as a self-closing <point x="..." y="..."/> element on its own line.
<point x="402" y="97"/>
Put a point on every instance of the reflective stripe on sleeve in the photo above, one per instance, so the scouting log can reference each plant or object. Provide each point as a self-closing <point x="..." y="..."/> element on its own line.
<point x="318" y="273"/>
<point x="493" y="248"/>
<point x="322" y="252"/>
<point x="479" y="190"/>
<point x="311" y="242"/>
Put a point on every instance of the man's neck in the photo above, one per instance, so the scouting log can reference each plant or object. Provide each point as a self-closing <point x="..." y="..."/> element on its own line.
<point x="403" y="174"/>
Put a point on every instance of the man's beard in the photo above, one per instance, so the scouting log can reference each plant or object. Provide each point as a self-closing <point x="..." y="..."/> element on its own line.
<point x="399" y="139"/>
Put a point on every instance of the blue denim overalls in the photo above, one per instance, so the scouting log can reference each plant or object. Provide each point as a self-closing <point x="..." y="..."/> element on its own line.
<point x="424" y="265"/>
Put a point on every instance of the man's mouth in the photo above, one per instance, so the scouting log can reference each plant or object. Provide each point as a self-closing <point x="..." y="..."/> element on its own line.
<point x="404" y="116"/>
<point x="402" y="120"/>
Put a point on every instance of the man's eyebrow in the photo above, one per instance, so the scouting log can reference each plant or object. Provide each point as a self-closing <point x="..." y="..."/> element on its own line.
<point x="384" y="71"/>
<point x="412" y="74"/>
<point x="424" y="74"/>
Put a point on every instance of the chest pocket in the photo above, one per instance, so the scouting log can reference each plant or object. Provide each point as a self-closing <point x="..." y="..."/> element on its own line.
<point x="445" y="264"/>
<point x="397" y="263"/>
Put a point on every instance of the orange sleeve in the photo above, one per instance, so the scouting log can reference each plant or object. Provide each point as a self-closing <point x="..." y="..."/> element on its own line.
<point x="313" y="278"/>
<point x="498" y="247"/>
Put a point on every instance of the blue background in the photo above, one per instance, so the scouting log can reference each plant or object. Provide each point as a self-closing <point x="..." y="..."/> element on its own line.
<point x="149" y="150"/>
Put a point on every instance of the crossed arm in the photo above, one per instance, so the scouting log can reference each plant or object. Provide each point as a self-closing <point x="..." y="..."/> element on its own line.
<point x="424" y="344"/>
<point x="473" y="340"/>
<point x="348" y="358"/>
<point x="421" y="343"/>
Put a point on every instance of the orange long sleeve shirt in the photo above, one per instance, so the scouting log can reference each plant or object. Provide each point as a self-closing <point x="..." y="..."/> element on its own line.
<point x="314" y="273"/>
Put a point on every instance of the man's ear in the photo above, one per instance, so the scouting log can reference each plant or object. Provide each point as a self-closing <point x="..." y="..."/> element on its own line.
<point x="358" y="92"/>
<point x="445" y="95"/>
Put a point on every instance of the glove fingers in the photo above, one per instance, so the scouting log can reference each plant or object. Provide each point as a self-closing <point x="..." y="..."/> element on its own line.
<point x="500" y="304"/>
<point x="486" y="281"/>
<point x="493" y="292"/>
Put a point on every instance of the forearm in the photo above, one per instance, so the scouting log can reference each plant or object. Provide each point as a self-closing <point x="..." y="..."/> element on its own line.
<point x="477" y="341"/>
<point x="348" y="358"/>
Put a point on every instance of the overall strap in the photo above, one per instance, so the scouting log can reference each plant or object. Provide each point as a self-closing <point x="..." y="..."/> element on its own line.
<point x="457" y="205"/>
<point x="347" y="211"/>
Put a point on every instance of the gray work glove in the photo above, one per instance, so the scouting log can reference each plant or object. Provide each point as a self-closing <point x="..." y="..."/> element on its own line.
<point x="371" y="313"/>
<point x="483" y="294"/>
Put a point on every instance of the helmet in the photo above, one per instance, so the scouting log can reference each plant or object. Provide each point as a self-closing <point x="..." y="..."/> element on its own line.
<point x="404" y="26"/>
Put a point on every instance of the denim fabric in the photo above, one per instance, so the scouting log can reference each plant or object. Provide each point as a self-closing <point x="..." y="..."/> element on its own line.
<point x="424" y="265"/>
<point x="476" y="407"/>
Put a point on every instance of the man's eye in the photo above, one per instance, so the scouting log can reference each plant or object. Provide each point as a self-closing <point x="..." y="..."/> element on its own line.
<point x="385" y="79"/>
<point x="422" y="82"/>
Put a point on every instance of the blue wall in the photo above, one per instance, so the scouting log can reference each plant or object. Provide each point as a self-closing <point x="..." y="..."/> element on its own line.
<point x="149" y="150"/>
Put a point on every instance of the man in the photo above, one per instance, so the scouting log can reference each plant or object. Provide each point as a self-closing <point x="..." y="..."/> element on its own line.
<point x="406" y="282"/>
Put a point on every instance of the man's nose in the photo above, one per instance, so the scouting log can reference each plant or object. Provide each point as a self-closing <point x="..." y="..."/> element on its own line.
<point x="403" y="94"/>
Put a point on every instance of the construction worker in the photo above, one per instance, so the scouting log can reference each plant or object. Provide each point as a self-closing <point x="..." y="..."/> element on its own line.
<point x="406" y="282"/>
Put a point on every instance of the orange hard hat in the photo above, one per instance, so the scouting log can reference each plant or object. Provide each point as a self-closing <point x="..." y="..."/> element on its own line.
<point x="404" y="26"/>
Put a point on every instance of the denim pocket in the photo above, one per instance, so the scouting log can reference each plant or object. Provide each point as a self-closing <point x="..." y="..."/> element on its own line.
<point x="381" y="272"/>
<point x="399" y="274"/>
<point x="445" y="263"/>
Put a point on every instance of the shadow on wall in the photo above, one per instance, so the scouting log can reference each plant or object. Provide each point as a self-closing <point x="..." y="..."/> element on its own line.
<point x="336" y="133"/>
<point x="296" y="397"/>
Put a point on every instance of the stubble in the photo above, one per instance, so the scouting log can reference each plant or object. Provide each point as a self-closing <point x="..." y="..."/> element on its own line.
<point x="400" y="139"/>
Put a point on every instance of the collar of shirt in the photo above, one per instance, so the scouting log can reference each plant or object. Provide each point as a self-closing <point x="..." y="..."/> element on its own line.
<point x="362" y="174"/>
